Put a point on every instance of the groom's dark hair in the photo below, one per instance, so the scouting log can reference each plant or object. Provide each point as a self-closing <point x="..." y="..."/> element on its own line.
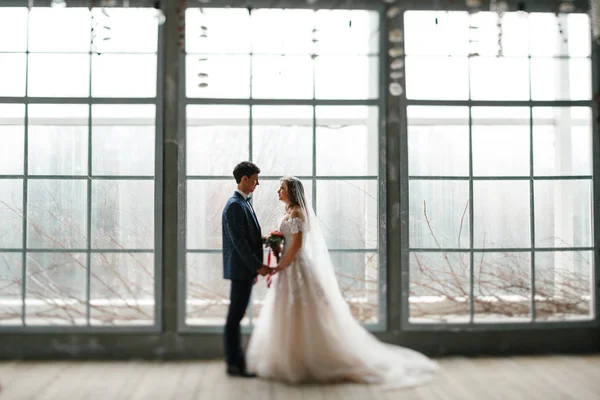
<point x="245" y="168"/>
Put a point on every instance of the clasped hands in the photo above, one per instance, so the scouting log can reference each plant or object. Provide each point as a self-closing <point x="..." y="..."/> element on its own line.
<point x="266" y="270"/>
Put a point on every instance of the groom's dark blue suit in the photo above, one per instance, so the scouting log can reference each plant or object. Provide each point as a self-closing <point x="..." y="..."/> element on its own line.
<point x="242" y="257"/>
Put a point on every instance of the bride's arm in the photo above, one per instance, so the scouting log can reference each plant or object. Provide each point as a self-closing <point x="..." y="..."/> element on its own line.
<point x="292" y="252"/>
<point x="295" y="247"/>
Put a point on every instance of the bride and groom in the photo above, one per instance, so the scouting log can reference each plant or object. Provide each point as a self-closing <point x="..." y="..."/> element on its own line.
<point x="305" y="331"/>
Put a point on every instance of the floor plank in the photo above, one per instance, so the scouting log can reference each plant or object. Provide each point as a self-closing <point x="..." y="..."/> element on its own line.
<point x="460" y="378"/>
<point x="33" y="381"/>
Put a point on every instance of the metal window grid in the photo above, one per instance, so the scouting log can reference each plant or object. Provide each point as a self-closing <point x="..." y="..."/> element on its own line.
<point x="379" y="102"/>
<point x="157" y="101"/>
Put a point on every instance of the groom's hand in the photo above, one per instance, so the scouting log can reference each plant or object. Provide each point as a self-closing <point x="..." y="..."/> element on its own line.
<point x="264" y="270"/>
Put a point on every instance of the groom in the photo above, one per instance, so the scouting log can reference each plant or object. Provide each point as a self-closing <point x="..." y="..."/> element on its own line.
<point x="242" y="261"/>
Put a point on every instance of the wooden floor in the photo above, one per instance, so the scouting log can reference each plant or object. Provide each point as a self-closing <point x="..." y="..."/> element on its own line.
<point x="548" y="377"/>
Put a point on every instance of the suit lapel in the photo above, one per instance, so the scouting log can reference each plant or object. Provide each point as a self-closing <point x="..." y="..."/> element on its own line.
<point x="249" y="207"/>
<point x="253" y="214"/>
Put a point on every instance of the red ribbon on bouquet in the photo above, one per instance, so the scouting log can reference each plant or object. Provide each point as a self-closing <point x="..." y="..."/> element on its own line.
<point x="273" y="241"/>
<point x="269" y="280"/>
<point x="269" y="263"/>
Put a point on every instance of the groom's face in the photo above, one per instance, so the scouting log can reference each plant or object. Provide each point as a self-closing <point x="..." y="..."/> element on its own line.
<point x="251" y="183"/>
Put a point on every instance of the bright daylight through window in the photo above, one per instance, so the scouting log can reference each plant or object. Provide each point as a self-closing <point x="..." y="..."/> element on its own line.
<point x="499" y="167"/>
<point x="77" y="166"/>
<point x="304" y="101"/>
<point x="496" y="185"/>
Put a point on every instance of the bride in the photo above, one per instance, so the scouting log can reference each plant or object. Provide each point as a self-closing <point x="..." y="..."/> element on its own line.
<point x="305" y="331"/>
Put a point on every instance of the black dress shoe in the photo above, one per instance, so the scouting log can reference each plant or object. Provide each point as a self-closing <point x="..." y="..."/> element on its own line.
<point x="233" y="370"/>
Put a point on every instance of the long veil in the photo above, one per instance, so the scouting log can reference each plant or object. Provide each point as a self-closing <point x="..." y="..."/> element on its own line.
<point x="333" y="343"/>
<point x="314" y="248"/>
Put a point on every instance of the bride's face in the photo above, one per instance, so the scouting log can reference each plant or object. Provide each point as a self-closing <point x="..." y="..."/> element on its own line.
<point x="283" y="192"/>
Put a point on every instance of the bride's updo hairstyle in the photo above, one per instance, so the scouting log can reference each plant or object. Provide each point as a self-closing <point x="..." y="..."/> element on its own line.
<point x="295" y="191"/>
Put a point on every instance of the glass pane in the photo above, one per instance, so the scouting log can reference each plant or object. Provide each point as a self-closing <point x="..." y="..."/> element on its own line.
<point x="278" y="31"/>
<point x="437" y="78"/>
<point x="578" y="35"/>
<point x="282" y="77"/>
<point x="205" y="202"/>
<point x="346" y="77"/>
<point x="439" y="287"/>
<point x="11" y="288"/>
<point x="347" y="140"/>
<point x="346" y="32"/>
<point x="207" y="293"/>
<point x="57" y="214"/>
<point x="439" y="214"/>
<point x="564" y="285"/>
<point x="501" y="137"/>
<point x="436" y="33"/>
<point x="12" y="74"/>
<point x="282" y="139"/>
<point x="348" y="212"/>
<point x="56" y="289"/>
<point x="122" y="289"/>
<point x="59" y="75"/>
<point x="438" y="141"/>
<point x="544" y="35"/>
<point x="486" y="37"/>
<point x="559" y="35"/>
<point x="554" y="79"/>
<point x="113" y="33"/>
<point x="269" y="209"/>
<point x="499" y="78"/>
<point x="123" y="139"/>
<point x="13" y="29"/>
<point x="209" y="30"/>
<point x="11" y="213"/>
<point x="563" y="213"/>
<point x="58" y="139"/>
<point x="358" y="278"/>
<point x="562" y="140"/>
<point x="217" y="139"/>
<point x="59" y="29"/>
<point x="218" y="76"/>
<point x="122" y="214"/>
<point x="12" y="142"/>
<point x="501" y="212"/>
<point x="124" y="75"/>
<point x="502" y="287"/>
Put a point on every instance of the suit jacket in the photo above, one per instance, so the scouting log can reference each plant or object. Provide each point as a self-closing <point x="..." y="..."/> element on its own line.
<point x="242" y="240"/>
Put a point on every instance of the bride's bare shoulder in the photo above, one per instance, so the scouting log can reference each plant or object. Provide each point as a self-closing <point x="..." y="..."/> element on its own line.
<point x="297" y="212"/>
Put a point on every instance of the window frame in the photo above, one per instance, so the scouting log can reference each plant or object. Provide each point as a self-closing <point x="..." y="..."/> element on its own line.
<point x="405" y="179"/>
<point x="380" y="102"/>
<point x="89" y="178"/>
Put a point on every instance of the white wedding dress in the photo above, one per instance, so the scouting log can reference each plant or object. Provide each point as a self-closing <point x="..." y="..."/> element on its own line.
<point x="306" y="333"/>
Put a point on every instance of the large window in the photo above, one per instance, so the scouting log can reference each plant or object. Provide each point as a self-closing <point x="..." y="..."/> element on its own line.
<point x="499" y="165"/>
<point x="296" y="92"/>
<point x="78" y="106"/>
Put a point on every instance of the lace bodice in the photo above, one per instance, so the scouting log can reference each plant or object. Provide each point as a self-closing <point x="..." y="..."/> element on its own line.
<point x="290" y="227"/>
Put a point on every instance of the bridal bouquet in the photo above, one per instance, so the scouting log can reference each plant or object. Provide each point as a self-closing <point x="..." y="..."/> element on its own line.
<point x="273" y="241"/>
